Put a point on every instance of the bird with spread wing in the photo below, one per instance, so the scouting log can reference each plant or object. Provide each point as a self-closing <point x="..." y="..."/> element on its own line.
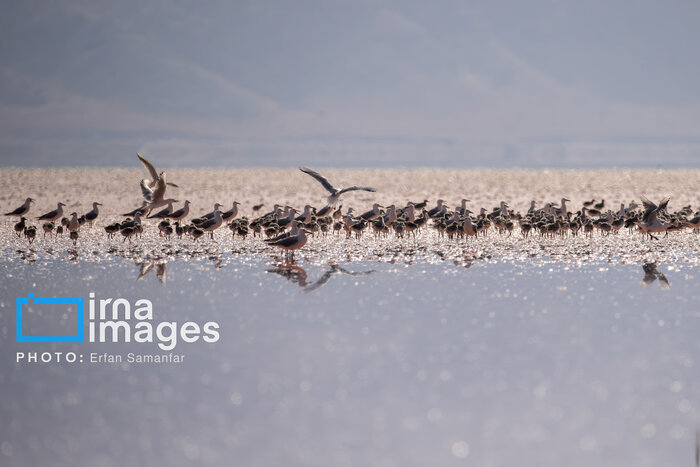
<point x="335" y="192"/>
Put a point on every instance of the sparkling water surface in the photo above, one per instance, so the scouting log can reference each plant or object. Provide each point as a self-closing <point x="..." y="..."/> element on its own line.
<point x="364" y="363"/>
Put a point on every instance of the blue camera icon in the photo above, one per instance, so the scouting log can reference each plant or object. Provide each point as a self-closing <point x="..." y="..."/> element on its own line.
<point x="77" y="301"/>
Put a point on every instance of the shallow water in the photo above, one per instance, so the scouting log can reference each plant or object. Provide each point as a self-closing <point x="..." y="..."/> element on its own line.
<point x="364" y="363"/>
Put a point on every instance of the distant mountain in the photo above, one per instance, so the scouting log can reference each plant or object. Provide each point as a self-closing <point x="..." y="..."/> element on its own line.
<point x="348" y="83"/>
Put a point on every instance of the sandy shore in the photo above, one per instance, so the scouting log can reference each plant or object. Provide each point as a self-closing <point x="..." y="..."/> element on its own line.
<point x="118" y="190"/>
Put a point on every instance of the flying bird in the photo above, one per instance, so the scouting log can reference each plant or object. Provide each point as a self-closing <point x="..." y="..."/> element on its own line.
<point x="155" y="176"/>
<point x="335" y="192"/>
<point x="153" y="189"/>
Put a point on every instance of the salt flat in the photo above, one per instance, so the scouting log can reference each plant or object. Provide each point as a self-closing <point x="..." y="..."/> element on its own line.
<point x="118" y="190"/>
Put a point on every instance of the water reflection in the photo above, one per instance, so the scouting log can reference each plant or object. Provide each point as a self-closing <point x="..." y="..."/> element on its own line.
<point x="465" y="377"/>
<point x="298" y="275"/>
<point x="651" y="274"/>
<point x="147" y="266"/>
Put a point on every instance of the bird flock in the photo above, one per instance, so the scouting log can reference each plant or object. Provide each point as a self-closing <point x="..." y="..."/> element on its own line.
<point x="288" y="228"/>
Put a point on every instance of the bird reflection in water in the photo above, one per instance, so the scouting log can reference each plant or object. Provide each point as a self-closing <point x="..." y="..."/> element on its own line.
<point x="160" y="267"/>
<point x="298" y="275"/>
<point x="651" y="274"/>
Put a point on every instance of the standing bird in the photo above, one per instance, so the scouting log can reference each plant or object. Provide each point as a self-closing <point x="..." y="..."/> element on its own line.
<point x="210" y="225"/>
<point x="73" y="224"/>
<point x="92" y="215"/>
<point x="335" y="193"/>
<point x="373" y="213"/>
<point x="54" y="215"/>
<point x="22" y="210"/>
<point x="231" y="213"/>
<point x="48" y="228"/>
<point x="19" y="226"/>
<point x="182" y="212"/>
<point x="162" y="214"/>
<point x="293" y="242"/>
<point x="30" y="233"/>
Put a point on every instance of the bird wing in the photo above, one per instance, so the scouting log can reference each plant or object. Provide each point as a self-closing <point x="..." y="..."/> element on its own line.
<point x="323" y="211"/>
<point x="207" y="223"/>
<point x="272" y="241"/>
<point x="326" y="184"/>
<point x="149" y="167"/>
<point x="16" y="211"/>
<point x="289" y="241"/>
<point x="49" y="215"/>
<point x="663" y="203"/>
<point x="159" y="189"/>
<point x="161" y="213"/>
<point x="177" y="213"/>
<point x="648" y="205"/>
<point x="146" y="190"/>
<point x="354" y="188"/>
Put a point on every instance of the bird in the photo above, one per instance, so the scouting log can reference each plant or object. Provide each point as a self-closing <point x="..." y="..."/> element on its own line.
<point x="22" y="210"/>
<point x="52" y="216"/>
<point x="419" y="205"/>
<point x="155" y="196"/>
<point x="231" y="213"/>
<point x="141" y="211"/>
<point x="73" y="224"/>
<point x="47" y="227"/>
<point x="128" y="232"/>
<point x="335" y="192"/>
<point x="210" y="225"/>
<point x="30" y="233"/>
<point x="650" y="207"/>
<point x="112" y="229"/>
<point x="373" y="213"/>
<point x="92" y="215"/>
<point x="293" y="242"/>
<point x="182" y="212"/>
<point x="19" y="226"/>
<point x="209" y="215"/>
<point x="163" y="213"/>
<point x="74" y="236"/>
<point x="153" y="189"/>
<point x="650" y="222"/>
<point x="561" y="211"/>
<point x="155" y="176"/>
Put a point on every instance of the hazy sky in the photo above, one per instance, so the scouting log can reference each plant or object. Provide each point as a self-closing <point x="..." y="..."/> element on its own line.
<point x="384" y="83"/>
